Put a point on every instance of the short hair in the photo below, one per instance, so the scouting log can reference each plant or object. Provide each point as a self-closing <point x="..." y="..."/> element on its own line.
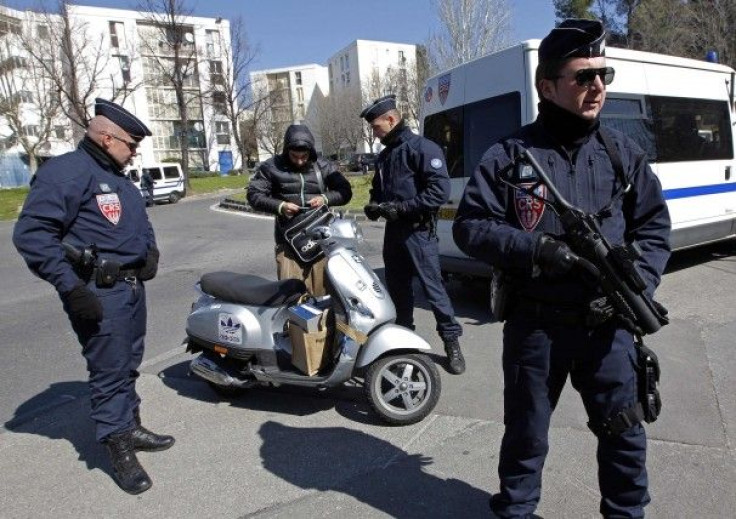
<point x="548" y="70"/>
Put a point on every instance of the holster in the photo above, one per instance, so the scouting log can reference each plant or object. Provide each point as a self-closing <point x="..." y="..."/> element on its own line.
<point x="648" y="373"/>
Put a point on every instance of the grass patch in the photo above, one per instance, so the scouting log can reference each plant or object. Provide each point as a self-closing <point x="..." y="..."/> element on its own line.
<point x="361" y="189"/>
<point x="213" y="184"/>
<point x="11" y="201"/>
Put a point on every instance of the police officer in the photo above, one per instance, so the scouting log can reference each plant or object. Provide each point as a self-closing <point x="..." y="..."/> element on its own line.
<point x="289" y="182"/>
<point x="82" y="201"/>
<point x="409" y="186"/>
<point x="147" y="186"/>
<point x="551" y="330"/>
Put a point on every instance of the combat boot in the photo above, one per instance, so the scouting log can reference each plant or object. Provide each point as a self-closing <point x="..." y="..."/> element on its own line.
<point x="456" y="361"/>
<point x="145" y="440"/>
<point x="127" y="471"/>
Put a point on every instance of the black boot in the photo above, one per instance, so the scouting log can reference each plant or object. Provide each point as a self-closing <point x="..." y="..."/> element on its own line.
<point x="145" y="440"/>
<point x="126" y="469"/>
<point x="456" y="361"/>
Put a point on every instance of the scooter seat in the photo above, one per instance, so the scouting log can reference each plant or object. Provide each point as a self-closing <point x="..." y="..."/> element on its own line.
<point x="251" y="290"/>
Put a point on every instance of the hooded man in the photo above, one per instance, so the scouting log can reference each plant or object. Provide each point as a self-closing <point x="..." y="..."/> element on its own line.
<point x="285" y="186"/>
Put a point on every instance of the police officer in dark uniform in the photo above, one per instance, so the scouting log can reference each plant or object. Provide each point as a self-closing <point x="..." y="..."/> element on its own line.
<point x="409" y="186"/>
<point x="552" y="329"/>
<point x="147" y="186"/>
<point x="85" y="230"/>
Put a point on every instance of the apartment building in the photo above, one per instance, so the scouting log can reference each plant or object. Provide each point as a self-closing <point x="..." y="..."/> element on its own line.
<point x="282" y="96"/>
<point x="361" y="71"/>
<point x="131" y="55"/>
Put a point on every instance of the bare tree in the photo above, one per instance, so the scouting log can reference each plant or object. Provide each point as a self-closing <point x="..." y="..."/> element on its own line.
<point x="167" y="40"/>
<point x="274" y="117"/>
<point x="29" y="105"/>
<point x="229" y="92"/>
<point x="76" y="60"/>
<point x="469" y="29"/>
<point x="662" y="26"/>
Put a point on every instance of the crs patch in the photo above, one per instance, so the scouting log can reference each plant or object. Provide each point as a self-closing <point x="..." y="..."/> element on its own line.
<point x="529" y="210"/>
<point x="110" y="207"/>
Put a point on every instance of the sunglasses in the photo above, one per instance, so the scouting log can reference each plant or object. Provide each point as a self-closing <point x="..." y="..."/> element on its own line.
<point x="586" y="76"/>
<point x="132" y="146"/>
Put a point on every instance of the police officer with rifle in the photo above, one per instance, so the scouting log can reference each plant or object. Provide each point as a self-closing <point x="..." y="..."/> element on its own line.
<point x="573" y="220"/>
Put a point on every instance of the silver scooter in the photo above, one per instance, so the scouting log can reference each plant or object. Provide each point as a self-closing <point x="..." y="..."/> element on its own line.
<point x="240" y="326"/>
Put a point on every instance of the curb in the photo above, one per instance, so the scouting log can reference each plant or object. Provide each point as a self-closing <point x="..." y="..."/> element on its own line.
<point x="237" y="205"/>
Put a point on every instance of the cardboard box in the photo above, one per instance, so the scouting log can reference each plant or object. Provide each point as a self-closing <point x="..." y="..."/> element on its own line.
<point x="306" y="317"/>
<point x="309" y="351"/>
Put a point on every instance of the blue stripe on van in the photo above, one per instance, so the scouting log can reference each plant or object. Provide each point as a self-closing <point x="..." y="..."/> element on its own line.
<point x="686" y="192"/>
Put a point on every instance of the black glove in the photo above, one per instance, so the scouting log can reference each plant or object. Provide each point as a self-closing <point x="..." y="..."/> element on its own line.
<point x="554" y="257"/>
<point x="599" y="311"/>
<point x="148" y="271"/>
<point x="82" y="304"/>
<point x="389" y="210"/>
<point x="372" y="211"/>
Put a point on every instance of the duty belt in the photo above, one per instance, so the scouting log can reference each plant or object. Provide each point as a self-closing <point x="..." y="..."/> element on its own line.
<point x="550" y="313"/>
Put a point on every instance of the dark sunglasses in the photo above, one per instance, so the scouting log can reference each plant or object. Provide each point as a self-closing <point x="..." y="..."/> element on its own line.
<point x="586" y="76"/>
<point x="132" y="146"/>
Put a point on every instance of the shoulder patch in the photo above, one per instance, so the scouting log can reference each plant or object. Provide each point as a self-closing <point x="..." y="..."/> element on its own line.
<point x="436" y="163"/>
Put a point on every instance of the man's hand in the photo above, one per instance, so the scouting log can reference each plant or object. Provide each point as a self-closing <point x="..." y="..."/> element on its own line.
<point x="389" y="210"/>
<point x="289" y="209"/>
<point x="82" y="304"/>
<point x="149" y="270"/>
<point x="372" y="211"/>
<point x="317" y="201"/>
<point x="554" y="258"/>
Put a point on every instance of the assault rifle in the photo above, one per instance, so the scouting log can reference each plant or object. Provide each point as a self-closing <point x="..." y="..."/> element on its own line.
<point x="612" y="266"/>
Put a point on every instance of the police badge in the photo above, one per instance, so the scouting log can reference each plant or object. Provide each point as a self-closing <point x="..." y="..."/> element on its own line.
<point x="529" y="209"/>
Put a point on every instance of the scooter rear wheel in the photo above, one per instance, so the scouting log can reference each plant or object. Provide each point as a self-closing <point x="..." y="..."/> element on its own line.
<point x="403" y="389"/>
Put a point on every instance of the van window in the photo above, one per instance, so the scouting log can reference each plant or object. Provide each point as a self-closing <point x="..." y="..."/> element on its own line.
<point x="171" y="172"/>
<point x="465" y="133"/>
<point x="135" y="176"/>
<point x="691" y="129"/>
<point x="628" y="115"/>
<point x="154" y="172"/>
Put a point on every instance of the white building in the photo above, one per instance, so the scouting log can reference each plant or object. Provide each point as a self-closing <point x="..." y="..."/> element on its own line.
<point x="282" y="96"/>
<point x="361" y="72"/>
<point x="132" y="46"/>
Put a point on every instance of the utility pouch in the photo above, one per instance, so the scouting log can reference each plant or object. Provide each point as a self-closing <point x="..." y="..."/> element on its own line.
<point x="106" y="273"/>
<point x="500" y="294"/>
<point x="648" y="379"/>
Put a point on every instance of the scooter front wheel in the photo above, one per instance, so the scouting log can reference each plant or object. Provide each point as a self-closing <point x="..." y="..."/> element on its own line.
<point x="403" y="389"/>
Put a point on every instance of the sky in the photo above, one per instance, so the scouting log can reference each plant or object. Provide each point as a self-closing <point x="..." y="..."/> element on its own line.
<point x="297" y="32"/>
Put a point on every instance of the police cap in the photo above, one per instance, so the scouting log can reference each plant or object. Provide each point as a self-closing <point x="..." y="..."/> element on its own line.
<point x="574" y="38"/>
<point x="379" y="107"/>
<point x="123" y="118"/>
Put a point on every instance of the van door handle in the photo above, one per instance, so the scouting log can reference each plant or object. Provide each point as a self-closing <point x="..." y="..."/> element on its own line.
<point x="728" y="172"/>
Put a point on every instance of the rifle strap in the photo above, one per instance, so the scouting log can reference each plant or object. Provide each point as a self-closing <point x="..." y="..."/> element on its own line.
<point x="618" y="169"/>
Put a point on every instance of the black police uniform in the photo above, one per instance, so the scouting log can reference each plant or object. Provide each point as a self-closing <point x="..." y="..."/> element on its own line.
<point x="83" y="198"/>
<point x="545" y="336"/>
<point x="411" y="172"/>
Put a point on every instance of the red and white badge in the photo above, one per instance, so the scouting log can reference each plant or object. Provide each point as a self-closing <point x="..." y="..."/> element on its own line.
<point x="529" y="209"/>
<point x="110" y="207"/>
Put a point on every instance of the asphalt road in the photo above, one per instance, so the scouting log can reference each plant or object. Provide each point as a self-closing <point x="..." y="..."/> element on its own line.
<point x="692" y="448"/>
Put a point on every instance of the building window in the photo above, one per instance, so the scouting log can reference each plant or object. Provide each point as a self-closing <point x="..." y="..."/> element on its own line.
<point x="213" y="43"/>
<point x="216" y="76"/>
<point x="347" y="61"/>
<point x="117" y="35"/>
<point x="59" y="132"/>
<point x="347" y="77"/>
<point x="222" y="132"/>
<point x="301" y="111"/>
<point x="42" y="31"/>
<point x="124" y="68"/>
<point x="402" y="58"/>
<point x="298" y="78"/>
<point x="219" y="103"/>
<point x="24" y="96"/>
<point x="9" y="25"/>
<point x="30" y="130"/>
<point x="342" y="64"/>
<point x="300" y="94"/>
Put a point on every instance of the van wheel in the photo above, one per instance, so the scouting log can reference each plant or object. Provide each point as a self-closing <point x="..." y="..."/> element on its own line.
<point x="174" y="197"/>
<point x="403" y="389"/>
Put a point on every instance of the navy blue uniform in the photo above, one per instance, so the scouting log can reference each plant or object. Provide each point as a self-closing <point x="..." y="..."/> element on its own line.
<point x="501" y="226"/>
<point x="411" y="171"/>
<point x="83" y="198"/>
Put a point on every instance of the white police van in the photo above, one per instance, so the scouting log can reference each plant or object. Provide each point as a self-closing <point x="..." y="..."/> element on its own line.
<point x="168" y="180"/>
<point x="680" y="111"/>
